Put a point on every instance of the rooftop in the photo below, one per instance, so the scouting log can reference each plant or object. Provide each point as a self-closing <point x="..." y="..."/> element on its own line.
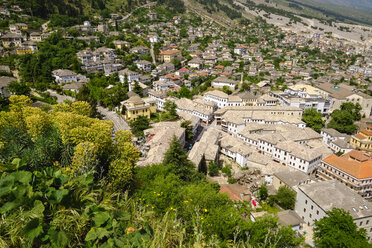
<point x="355" y="163"/>
<point x="333" y="194"/>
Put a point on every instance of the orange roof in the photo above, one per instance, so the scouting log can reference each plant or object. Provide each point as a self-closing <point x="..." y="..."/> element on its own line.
<point x="169" y="52"/>
<point x="355" y="163"/>
<point x="219" y="67"/>
<point x="360" y="136"/>
<point x="203" y="74"/>
<point x="183" y="69"/>
<point x="366" y="132"/>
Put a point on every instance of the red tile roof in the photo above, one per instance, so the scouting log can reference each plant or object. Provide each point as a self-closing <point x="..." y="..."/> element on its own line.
<point x="355" y="163"/>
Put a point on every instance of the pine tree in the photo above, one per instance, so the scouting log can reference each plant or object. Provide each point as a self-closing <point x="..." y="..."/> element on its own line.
<point x="203" y="166"/>
<point x="176" y="158"/>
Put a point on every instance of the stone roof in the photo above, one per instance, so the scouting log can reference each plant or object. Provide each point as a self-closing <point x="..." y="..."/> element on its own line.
<point x="289" y="218"/>
<point x="333" y="194"/>
<point x="5" y="81"/>
<point x="292" y="178"/>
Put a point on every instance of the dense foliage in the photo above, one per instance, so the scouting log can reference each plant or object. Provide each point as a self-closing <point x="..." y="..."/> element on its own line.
<point x="343" y="119"/>
<point x="313" y="119"/>
<point x="339" y="230"/>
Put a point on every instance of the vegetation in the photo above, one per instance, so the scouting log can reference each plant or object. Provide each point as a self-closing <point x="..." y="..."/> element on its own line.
<point x="343" y="118"/>
<point x="285" y="198"/>
<point x="313" y="119"/>
<point x="338" y="229"/>
<point x="138" y="125"/>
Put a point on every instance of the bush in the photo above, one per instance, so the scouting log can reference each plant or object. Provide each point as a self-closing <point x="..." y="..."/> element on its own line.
<point x="213" y="169"/>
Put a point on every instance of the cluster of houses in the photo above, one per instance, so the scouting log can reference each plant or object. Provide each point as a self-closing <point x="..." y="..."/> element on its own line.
<point x="258" y="126"/>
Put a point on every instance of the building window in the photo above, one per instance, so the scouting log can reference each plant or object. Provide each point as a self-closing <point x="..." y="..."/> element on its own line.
<point x="360" y="223"/>
<point x="317" y="212"/>
<point x="304" y="210"/>
<point x="310" y="215"/>
<point x="312" y="207"/>
<point x="305" y="201"/>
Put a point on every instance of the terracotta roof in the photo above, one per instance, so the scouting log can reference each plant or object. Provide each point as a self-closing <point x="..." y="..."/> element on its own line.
<point x="355" y="163"/>
<point x="169" y="52"/>
<point x="360" y="136"/>
<point x="366" y="132"/>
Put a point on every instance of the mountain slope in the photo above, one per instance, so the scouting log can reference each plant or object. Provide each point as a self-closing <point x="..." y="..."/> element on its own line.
<point x="358" y="4"/>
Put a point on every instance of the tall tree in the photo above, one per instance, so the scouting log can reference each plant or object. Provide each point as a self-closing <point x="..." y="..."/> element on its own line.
<point x="203" y="166"/>
<point x="313" y="119"/>
<point x="343" y="118"/>
<point x="339" y="230"/>
<point x="139" y="124"/>
<point x="176" y="158"/>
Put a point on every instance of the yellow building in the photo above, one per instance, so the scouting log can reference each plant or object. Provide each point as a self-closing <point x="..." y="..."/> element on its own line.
<point x="170" y="55"/>
<point x="137" y="106"/>
<point x="362" y="140"/>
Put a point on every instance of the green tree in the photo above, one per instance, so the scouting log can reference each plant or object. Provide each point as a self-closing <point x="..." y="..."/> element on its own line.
<point x="343" y="118"/>
<point x="338" y="229"/>
<point x="185" y="93"/>
<point x="138" y="89"/>
<point x="138" y="125"/>
<point x="285" y="197"/>
<point x="17" y="88"/>
<point x="226" y="89"/>
<point x="171" y="108"/>
<point x="213" y="169"/>
<point x="188" y="127"/>
<point x="313" y="119"/>
<point x="263" y="192"/>
<point x="176" y="158"/>
<point x="203" y="165"/>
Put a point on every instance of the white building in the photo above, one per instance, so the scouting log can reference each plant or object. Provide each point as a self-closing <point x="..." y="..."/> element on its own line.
<point x="222" y="99"/>
<point x="130" y="75"/>
<point x="222" y="81"/>
<point x="64" y="76"/>
<point x="315" y="199"/>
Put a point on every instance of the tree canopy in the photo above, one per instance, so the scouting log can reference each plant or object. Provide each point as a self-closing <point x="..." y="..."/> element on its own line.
<point x="338" y="229"/>
<point x="313" y="119"/>
<point x="343" y="119"/>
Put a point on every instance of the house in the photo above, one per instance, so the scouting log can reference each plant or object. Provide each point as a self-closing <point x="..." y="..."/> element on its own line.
<point x="362" y="140"/>
<point x="153" y="38"/>
<point x="264" y="86"/>
<point x="354" y="169"/>
<point x="27" y="47"/>
<point x="201" y="109"/>
<point x="314" y="200"/>
<point x="153" y="16"/>
<point x="297" y="148"/>
<point x="143" y="65"/>
<point x="4" y="82"/>
<point x="35" y="37"/>
<point x="195" y="63"/>
<point x="291" y="219"/>
<point x="222" y="99"/>
<point x="207" y="146"/>
<point x="136" y="106"/>
<point x="74" y="87"/>
<point x="119" y="44"/>
<point x="241" y="50"/>
<point x="62" y="76"/>
<point x="169" y="56"/>
<point x="165" y="68"/>
<point x="302" y="100"/>
<point x="290" y="178"/>
<point x="12" y="40"/>
<point x="140" y="50"/>
<point x="222" y="81"/>
<point x="259" y="115"/>
<point x="344" y="93"/>
<point x="157" y="140"/>
<point x="128" y="75"/>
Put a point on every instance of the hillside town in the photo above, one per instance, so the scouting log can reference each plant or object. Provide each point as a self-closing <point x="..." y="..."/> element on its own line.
<point x="258" y="109"/>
